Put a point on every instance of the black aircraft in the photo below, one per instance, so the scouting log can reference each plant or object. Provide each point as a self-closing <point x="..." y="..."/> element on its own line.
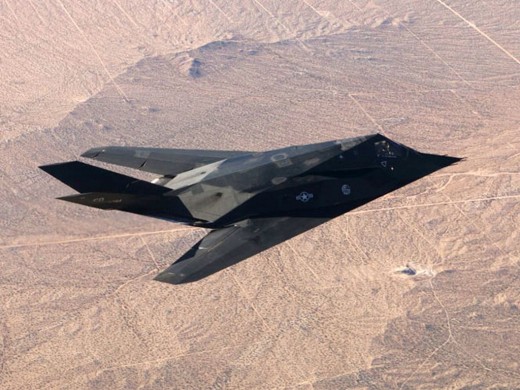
<point x="251" y="200"/>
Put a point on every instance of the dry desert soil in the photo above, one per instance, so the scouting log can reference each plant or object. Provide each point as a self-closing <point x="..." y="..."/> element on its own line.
<point x="330" y="309"/>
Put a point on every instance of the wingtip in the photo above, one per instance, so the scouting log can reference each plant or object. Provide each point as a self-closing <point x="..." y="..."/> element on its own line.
<point x="171" y="278"/>
<point x="93" y="153"/>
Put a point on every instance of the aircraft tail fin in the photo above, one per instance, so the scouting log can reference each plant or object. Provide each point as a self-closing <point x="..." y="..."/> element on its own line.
<point x="107" y="190"/>
<point x="170" y="208"/>
<point x="88" y="178"/>
<point x="108" y="200"/>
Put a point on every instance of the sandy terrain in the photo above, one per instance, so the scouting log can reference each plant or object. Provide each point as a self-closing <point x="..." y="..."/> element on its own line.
<point x="328" y="309"/>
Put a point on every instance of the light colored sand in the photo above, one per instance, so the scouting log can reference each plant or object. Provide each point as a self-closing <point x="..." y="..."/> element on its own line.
<point x="78" y="307"/>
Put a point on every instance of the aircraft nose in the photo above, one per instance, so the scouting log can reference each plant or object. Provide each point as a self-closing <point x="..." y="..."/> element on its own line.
<point x="439" y="161"/>
<point x="418" y="165"/>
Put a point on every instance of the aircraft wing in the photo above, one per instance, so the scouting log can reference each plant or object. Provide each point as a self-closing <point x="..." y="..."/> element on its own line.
<point x="222" y="248"/>
<point x="166" y="162"/>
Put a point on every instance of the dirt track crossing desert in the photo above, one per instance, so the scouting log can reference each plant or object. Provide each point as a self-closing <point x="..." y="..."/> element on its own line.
<point x="416" y="290"/>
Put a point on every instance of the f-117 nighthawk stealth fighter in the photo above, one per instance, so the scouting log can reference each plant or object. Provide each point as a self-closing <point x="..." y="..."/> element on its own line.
<point x="251" y="200"/>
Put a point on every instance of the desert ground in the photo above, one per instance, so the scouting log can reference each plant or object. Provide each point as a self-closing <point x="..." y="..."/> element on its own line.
<point x="330" y="309"/>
